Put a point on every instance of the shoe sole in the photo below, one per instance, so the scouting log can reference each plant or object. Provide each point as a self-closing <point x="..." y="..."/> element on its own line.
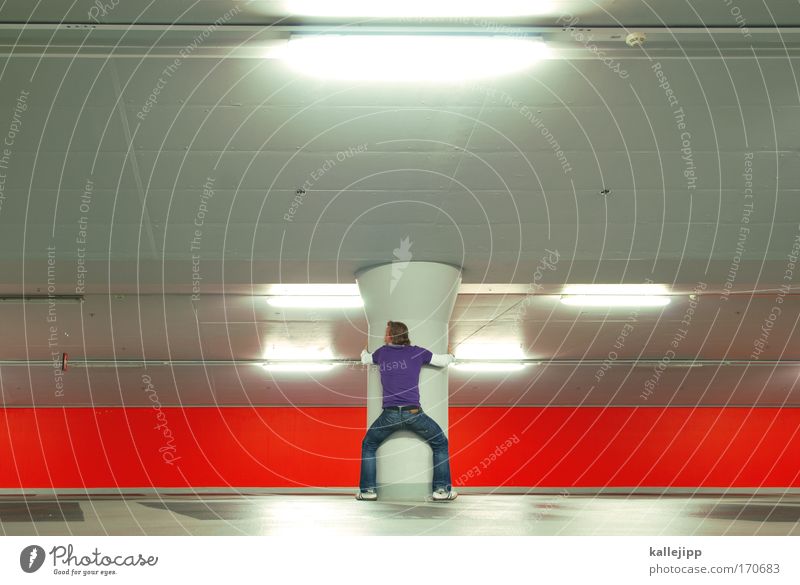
<point x="443" y="499"/>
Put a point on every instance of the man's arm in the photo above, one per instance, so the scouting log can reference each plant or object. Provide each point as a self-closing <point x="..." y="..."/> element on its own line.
<point x="442" y="359"/>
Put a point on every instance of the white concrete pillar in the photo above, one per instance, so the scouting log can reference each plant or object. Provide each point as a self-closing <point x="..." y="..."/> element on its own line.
<point x="421" y="295"/>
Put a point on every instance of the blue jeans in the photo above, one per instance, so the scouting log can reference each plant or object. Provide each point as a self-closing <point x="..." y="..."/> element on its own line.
<point x="420" y="423"/>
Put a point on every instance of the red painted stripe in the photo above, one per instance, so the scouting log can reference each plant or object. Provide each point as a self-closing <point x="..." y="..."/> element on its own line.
<point x="296" y="447"/>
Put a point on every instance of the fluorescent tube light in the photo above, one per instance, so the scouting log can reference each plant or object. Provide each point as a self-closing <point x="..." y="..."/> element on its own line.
<point x="297" y="366"/>
<point x="309" y="289"/>
<point x="489" y="351"/>
<point x="616" y="295"/>
<point x="298" y="354"/>
<point x="298" y="359"/>
<point x="616" y="289"/>
<point x="316" y="302"/>
<point x="488" y="367"/>
<point x="432" y="58"/>
<point x="420" y="8"/>
<point x="482" y="355"/>
<point x="615" y="300"/>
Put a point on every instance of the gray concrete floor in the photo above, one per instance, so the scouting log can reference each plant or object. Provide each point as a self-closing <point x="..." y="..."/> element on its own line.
<point x="511" y="515"/>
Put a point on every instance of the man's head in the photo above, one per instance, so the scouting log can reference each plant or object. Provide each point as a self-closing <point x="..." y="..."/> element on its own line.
<point x="396" y="333"/>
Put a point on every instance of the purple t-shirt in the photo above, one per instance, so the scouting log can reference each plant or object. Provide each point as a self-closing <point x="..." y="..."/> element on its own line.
<point x="400" y="366"/>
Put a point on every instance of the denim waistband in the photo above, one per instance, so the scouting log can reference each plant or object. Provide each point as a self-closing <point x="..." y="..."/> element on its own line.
<point x="404" y="407"/>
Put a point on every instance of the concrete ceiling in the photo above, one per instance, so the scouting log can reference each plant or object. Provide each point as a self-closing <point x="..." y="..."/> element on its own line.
<point x="544" y="12"/>
<point x="467" y="172"/>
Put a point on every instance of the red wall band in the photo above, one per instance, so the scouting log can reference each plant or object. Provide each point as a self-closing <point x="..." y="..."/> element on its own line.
<point x="320" y="447"/>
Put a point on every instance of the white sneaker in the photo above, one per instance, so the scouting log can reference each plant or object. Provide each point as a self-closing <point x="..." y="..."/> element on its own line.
<point x="369" y="495"/>
<point x="442" y="495"/>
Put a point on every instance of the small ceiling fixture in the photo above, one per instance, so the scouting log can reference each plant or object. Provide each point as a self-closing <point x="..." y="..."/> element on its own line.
<point x="636" y="39"/>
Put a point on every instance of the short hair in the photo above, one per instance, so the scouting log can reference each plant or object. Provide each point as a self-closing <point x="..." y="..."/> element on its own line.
<point x="398" y="332"/>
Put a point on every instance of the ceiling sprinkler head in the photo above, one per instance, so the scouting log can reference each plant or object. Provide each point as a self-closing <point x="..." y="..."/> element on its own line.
<point x="635" y="39"/>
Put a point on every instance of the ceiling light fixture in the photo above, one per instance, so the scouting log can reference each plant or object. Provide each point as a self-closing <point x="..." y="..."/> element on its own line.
<point x="420" y="8"/>
<point x="616" y="295"/>
<point x="298" y="354"/>
<point x="298" y="359"/>
<point x="316" y="302"/>
<point x="489" y="351"/>
<point x="297" y="366"/>
<point x="488" y="366"/>
<point x="616" y="289"/>
<point x="615" y="300"/>
<point x="312" y="289"/>
<point x="405" y="58"/>
<point x="481" y="357"/>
